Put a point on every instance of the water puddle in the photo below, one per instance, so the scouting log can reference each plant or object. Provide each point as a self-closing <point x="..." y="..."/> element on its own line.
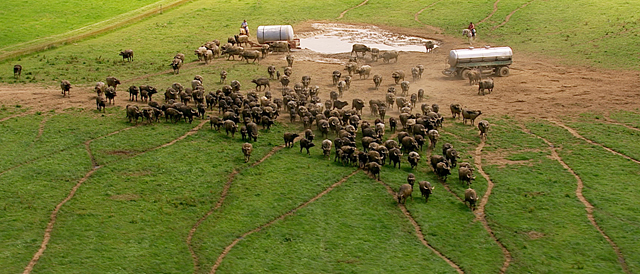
<point x="339" y="38"/>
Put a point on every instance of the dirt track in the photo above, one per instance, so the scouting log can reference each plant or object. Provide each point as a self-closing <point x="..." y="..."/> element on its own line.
<point x="535" y="88"/>
<point x="579" y="186"/>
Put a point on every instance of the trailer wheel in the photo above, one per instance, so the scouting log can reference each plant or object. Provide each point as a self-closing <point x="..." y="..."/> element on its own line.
<point x="503" y="71"/>
<point x="464" y="74"/>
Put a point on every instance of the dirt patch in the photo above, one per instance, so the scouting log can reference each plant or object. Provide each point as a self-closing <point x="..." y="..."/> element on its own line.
<point x="499" y="158"/>
<point x="120" y="152"/>
<point x="534" y="235"/>
<point x="537" y="87"/>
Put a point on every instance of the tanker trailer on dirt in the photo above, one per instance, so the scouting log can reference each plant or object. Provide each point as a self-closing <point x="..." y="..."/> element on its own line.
<point x="277" y="33"/>
<point x="489" y="60"/>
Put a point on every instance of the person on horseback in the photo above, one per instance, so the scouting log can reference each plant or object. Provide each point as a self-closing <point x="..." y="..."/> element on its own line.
<point x="472" y="28"/>
<point x="245" y="26"/>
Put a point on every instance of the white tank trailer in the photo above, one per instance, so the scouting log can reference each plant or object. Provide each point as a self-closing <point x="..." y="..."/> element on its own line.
<point x="488" y="59"/>
<point x="270" y="34"/>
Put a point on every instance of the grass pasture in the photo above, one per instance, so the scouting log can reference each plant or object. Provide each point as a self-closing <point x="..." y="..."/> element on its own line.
<point x="155" y="185"/>
<point x="135" y="212"/>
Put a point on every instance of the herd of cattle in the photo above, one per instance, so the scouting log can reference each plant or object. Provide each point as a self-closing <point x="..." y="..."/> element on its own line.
<point x="245" y="111"/>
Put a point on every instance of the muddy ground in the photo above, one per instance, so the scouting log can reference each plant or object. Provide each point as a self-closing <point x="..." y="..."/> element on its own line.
<point x="535" y="88"/>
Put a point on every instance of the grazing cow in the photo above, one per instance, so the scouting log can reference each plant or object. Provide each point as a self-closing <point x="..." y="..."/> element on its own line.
<point x="246" y="150"/>
<point x="306" y="144"/>
<point x="483" y="126"/>
<point x="426" y="189"/>
<point x="364" y="71"/>
<point x="465" y="174"/>
<point x="326" y="148"/>
<point x="17" y="70"/>
<point x="127" y="54"/>
<point x="485" y="84"/>
<point x="66" y="86"/>
<point x="374" y="169"/>
<point x="404" y="192"/>
<point x="388" y="55"/>
<point x="456" y="110"/>
<point x="133" y="93"/>
<point x="290" y="58"/>
<point x="360" y="48"/>
<point x="397" y="76"/>
<point x="176" y="64"/>
<point x="470" y="197"/>
<point x="471" y="115"/>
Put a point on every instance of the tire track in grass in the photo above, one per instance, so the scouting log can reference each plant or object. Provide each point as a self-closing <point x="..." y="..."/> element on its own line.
<point x="347" y="10"/>
<point x="480" y="211"/>
<point x="40" y="130"/>
<point x="415" y="17"/>
<point x="612" y="34"/>
<point x="506" y="19"/>
<point x="577" y="135"/>
<point x="223" y="196"/>
<point x="587" y="206"/>
<point x="54" y="214"/>
<point x="17" y="115"/>
<point x="495" y="8"/>
<point x="418" y="230"/>
<point x="612" y="121"/>
<point x="64" y="149"/>
<point x="281" y="217"/>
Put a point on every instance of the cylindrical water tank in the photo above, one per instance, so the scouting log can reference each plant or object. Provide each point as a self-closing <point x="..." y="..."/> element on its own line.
<point x="275" y="33"/>
<point x="486" y="54"/>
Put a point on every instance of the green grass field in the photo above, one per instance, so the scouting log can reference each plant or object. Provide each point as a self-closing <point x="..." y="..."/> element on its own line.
<point x="136" y="210"/>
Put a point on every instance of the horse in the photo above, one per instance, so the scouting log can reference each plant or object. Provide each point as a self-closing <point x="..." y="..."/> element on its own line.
<point x="469" y="34"/>
<point x="244" y="31"/>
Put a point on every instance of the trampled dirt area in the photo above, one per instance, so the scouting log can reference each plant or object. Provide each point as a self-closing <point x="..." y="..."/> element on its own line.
<point x="535" y="88"/>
